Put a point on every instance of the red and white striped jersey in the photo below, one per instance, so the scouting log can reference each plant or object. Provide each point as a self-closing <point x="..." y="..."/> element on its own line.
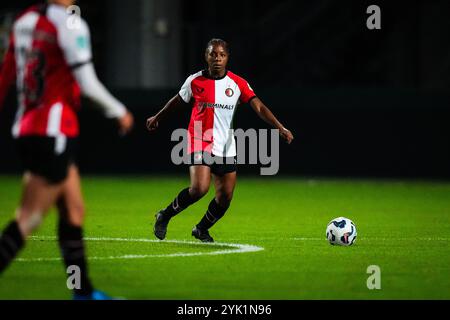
<point x="43" y="50"/>
<point x="214" y="105"/>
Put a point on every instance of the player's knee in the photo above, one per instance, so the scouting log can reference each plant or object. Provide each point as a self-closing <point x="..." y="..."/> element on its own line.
<point x="198" y="191"/>
<point x="28" y="221"/>
<point x="76" y="215"/>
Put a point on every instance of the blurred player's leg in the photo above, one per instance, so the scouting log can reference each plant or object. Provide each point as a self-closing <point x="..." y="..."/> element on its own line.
<point x="37" y="197"/>
<point x="70" y="233"/>
<point x="224" y="185"/>
<point x="200" y="180"/>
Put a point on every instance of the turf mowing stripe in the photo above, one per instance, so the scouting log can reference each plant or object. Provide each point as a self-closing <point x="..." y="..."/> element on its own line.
<point x="239" y="248"/>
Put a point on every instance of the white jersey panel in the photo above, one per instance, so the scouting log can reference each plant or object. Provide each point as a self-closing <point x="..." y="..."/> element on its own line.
<point x="23" y="34"/>
<point x="73" y="38"/>
<point x="227" y="95"/>
<point x="23" y="30"/>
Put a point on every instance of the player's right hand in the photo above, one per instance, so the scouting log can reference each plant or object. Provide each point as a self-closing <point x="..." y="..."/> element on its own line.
<point x="125" y="123"/>
<point x="152" y="123"/>
<point x="286" y="135"/>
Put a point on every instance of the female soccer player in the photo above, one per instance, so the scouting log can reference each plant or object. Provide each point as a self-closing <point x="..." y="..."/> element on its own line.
<point x="214" y="94"/>
<point x="51" y="64"/>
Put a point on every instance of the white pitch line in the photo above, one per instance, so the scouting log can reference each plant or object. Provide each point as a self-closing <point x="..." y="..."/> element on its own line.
<point x="238" y="248"/>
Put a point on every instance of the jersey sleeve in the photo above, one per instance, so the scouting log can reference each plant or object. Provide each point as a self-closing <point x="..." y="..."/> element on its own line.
<point x="92" y="88"/>
<point x="7" y="71"/>
<point x="75" y="43"/>
<point x="186" y="90"/>
<point x="247" y="92"/>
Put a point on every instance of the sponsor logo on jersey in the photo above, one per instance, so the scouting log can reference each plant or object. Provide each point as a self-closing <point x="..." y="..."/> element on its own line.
<point x="229" y="92"/>
<point x="202" y="105"/>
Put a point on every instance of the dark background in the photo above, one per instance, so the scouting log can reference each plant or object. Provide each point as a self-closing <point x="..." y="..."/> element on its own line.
<point x="370" y="103"/>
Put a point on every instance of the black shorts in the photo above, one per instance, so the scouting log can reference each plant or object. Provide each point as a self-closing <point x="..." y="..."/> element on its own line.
<point x="47" y="157"/>
<point x="219" y="165"/>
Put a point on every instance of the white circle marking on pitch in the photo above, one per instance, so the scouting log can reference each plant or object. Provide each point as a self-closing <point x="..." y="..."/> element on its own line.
<point x="237" y="248"/>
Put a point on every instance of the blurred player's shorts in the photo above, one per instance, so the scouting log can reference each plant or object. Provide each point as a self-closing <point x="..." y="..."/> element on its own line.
<point x="47" y="157"/>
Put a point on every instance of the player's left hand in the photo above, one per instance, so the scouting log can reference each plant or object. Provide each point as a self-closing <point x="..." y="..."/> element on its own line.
<point x="125" y="123"/>
<point x="286" y="135"/>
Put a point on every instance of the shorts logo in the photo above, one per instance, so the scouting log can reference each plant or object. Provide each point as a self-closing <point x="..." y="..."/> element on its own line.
<point x="229" y="92"/>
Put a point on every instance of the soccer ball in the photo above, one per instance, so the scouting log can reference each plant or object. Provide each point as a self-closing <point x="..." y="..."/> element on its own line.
<point x="341" y="231"/>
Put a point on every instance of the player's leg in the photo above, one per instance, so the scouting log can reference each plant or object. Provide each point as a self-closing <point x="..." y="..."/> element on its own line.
<point x="200" y="176"/>
<point x="224" y="185"/>
<point x="37" y="197"/>
<point x="70" y="230"/>
<point x="200" y="180"/>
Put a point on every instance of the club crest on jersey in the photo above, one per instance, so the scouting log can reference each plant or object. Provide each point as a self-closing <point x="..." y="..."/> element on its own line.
<point x="229" y="92"/>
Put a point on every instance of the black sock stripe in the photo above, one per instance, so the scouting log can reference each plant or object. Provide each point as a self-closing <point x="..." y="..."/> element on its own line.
<point x="208" y="215"/>
<point x="175" y="204"/>
<point x="74" y="255"/>
<point x="72" y="244"/>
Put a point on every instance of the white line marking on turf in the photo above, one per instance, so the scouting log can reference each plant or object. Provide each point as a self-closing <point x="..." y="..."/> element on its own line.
<point x="238" y="248"/>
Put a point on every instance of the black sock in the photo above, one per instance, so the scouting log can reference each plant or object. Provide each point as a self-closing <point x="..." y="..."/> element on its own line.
<point x="72" y="249"/>
<point x="212" y="215"/>
<point x="181" y="202"/>
<point x="11" y="241"/>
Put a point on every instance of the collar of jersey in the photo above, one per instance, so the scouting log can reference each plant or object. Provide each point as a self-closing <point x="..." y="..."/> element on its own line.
<point x="206" y="75"/>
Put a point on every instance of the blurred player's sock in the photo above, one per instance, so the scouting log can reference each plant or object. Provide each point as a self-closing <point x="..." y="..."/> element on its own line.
<point x="72" y="249"/>
<point x="212" y="215"/>
<point x="11" y="241"/>
<point x="181" y="202"/>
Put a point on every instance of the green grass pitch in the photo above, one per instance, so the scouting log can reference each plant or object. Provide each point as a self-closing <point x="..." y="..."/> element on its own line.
<point x="403" y="227"/>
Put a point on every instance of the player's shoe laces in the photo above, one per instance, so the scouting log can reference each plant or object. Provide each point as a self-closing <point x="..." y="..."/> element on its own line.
<point x="160" y="227"/>
<point x="95" y="295"/>
<point x="202" y="235"/>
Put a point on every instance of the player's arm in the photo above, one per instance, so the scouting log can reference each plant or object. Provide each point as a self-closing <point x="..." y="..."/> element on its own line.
<point x="264" y="113"/>
<point x="7" y="72"/>
<point x="76" y="45"/>
<point x="183" y="96"/>
<point x="172" y="104"/>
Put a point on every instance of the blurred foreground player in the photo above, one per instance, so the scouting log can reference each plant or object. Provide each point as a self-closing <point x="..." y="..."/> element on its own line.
<point x="214" y="94"/>
<point x="50" y="60"/>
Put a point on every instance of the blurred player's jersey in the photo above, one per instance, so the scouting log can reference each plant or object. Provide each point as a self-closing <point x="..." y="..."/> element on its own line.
<point x="45" y="46"/>
<point x="214" y="105"/>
